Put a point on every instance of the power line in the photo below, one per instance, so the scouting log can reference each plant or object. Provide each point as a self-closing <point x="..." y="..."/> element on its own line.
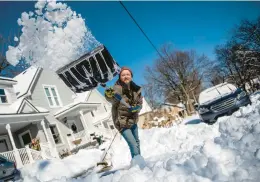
<point x="140" y="29"/>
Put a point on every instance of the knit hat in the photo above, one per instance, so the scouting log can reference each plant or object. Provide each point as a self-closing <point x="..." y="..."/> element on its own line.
<point x="125" y="68"/>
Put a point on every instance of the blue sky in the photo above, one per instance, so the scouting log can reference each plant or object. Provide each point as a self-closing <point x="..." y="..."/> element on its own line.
<point x="187" y="25"/>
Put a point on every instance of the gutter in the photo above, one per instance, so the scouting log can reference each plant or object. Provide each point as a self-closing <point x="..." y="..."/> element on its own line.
<point x="23" y="114"/>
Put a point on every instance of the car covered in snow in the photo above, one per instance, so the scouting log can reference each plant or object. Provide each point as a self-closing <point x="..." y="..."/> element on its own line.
<point x="220" y="100"/>
<point x="8" y="170"/>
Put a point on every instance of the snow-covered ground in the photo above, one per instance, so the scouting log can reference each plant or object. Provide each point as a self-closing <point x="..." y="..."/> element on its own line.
<point x="226" y="151"/>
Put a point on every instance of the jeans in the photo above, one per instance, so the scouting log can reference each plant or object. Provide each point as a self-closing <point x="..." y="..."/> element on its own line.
<point x="132" y="139"/>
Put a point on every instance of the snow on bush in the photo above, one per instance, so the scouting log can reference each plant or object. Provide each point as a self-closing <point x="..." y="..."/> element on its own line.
<point x="52" y="36"/>
<point x="226" y="151"/>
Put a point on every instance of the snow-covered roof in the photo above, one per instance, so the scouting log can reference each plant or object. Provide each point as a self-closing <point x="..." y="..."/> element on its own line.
<point x="73" y="106"/>
<point x="81" y="97"/>
<point x="17" y="107"/>
<point x="181" y="105"/>
<point x="6" y="80"/>
<point x="145" y="108"/>
<point x="25" y="81"/>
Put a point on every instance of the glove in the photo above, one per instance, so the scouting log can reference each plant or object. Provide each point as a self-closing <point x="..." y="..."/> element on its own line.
<point x="110" y="92"/>
<point x="135" y="109"/>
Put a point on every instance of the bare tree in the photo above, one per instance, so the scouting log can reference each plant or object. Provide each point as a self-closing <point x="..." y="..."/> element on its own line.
<point x="217" y="74"/>
<point x="3" y="62"/>
<point x="6" y="69"/>
<point x="177" y="75"/>
<point x="247" y="34"/>
<point x="240" y="56"/>
<point x="241" y="63"/>
<point x="150" y="95"/>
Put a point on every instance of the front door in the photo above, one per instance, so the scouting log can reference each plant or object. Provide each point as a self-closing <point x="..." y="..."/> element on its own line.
<point x="25" y="138"/>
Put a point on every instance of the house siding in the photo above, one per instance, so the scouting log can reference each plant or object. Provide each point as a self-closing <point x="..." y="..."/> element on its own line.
<point x="102" y="111"/>
<point x="38" y="96"/>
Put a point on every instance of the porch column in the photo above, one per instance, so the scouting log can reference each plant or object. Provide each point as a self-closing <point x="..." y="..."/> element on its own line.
<point x="84" y="123"/>
<point x="52" y="149"/>
<point x="17" y="156"/>
<point x="46" y="134"/>
<point x="101" y="122"/>
<point x="8" y="127"/>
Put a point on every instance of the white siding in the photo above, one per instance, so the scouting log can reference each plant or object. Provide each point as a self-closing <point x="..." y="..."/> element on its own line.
<point x="50" y="78"/>
<point x="103" y="111"/>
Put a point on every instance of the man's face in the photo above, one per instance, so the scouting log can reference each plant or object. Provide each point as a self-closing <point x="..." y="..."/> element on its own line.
<point x="126" y="76"/>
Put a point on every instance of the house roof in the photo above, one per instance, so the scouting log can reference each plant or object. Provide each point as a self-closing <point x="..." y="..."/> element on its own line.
<point x="18" y="108"/>
<point x="82" y="97"/>
<point x="6" y="80"/>
<point x="145" y="108"/>
<point x="74" y="106"/>
<point x="25" y="81"/>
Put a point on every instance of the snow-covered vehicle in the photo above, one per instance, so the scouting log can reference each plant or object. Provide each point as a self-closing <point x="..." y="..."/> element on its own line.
<point x="220" y="100"/>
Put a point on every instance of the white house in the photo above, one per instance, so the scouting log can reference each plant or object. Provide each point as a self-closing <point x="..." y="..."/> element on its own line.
<point x="20" y="121"/>
<point x="38" y="104"/>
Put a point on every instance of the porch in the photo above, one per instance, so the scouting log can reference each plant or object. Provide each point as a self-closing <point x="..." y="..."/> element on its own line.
<point x="24" y="138"/>
<point x="81" y="131"/>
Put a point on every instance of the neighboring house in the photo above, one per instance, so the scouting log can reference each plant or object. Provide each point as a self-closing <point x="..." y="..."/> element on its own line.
<point x="145" y="114"/>
<point x="165" y="116"/>
<point x="38" y="104"/>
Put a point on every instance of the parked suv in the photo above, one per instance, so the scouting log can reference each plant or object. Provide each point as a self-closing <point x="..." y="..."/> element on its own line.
<point x="8" y="170"/>
<point x="220" y="100"/>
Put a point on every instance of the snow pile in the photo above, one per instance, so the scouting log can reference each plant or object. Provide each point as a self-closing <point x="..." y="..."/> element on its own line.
<point x="226" y="151"/>
<point x="52" y="36"/>
<point x="60" y="170"/>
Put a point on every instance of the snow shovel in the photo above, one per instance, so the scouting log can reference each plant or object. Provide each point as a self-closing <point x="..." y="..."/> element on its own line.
<point x="90" y="70"/>
<point x="103" y="162"/>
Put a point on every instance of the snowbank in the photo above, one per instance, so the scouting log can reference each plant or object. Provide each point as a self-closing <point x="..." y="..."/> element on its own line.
<point x="60" y="170"/>
<point x="226" y="151"/>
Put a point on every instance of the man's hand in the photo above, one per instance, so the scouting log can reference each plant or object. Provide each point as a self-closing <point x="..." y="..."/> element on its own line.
<point x="110" y="92"/>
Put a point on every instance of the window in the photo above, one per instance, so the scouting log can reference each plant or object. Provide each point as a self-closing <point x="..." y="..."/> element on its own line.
<point x="3" y="98"/>
<point x="92" y="114"/>
<point x="55" y="134"/>
<point x="52" y="96"/>
<point x="105" y="124"/>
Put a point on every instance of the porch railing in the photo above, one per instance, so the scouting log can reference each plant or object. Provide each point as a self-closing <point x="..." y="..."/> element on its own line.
<point x="9" y="155"/>
<point x="27" y="155"/>
<point x="46" y="150"/>
<point x="81" y="134"/>
<point x="36" y="155"/>
<point x="24" y="156"/>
